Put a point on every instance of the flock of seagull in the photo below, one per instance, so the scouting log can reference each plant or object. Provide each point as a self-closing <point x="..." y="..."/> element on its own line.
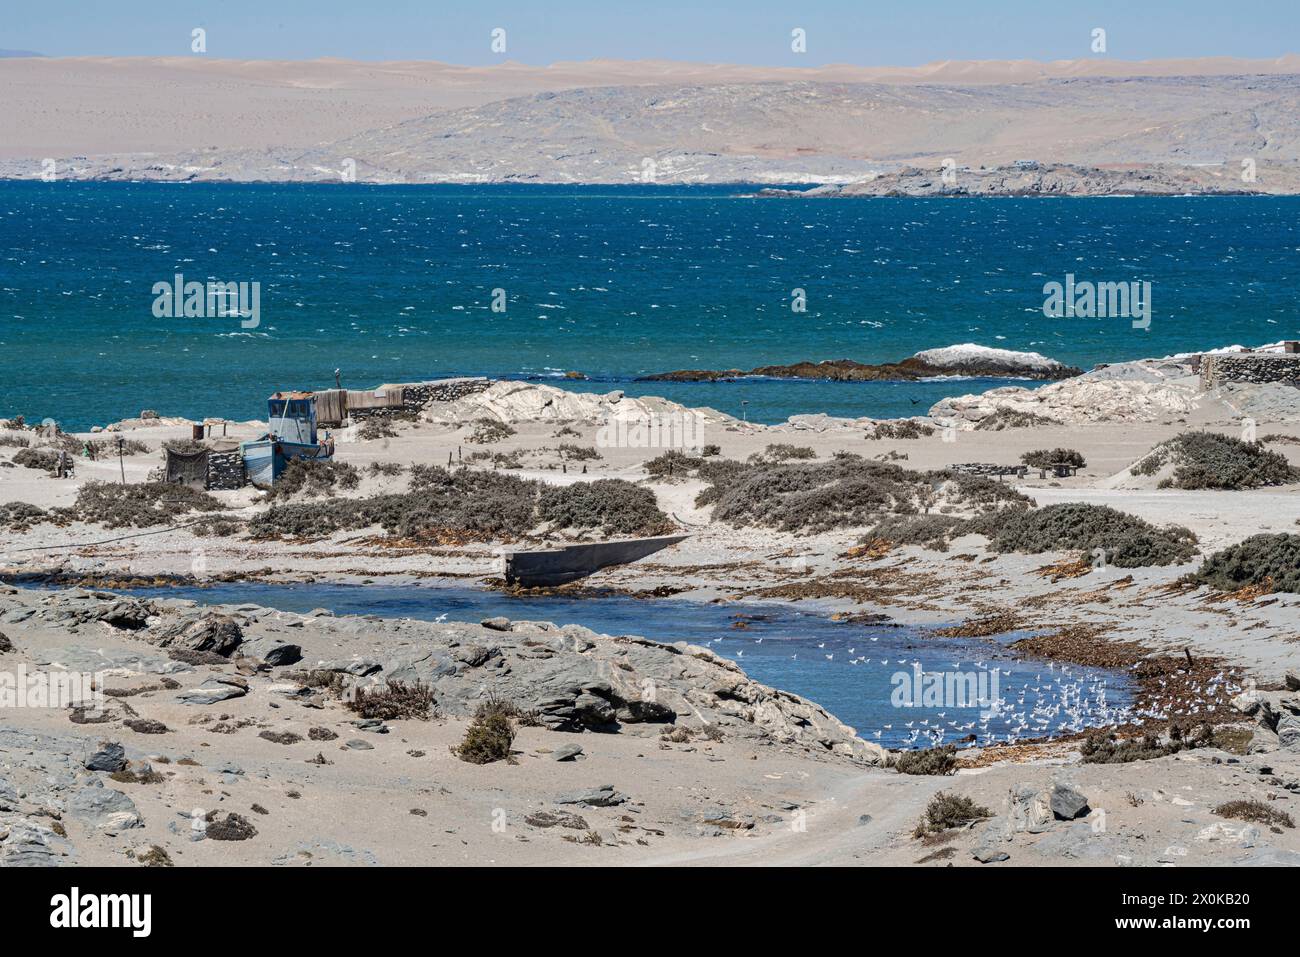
<point x="1056" y="700"/>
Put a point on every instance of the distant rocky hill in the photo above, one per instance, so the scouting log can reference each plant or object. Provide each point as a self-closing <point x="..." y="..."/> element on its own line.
<point x="1047" y="134"/>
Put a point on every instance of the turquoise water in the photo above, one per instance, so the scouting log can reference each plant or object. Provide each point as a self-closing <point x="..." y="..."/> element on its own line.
<point x="396" y="284"/>
<point x="846" y="667"/>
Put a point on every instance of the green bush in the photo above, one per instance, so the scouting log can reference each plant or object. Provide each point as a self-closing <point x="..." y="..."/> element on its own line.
<point x="1208" y="460"/>
<point x="1256" y="812"/>
<point x="139" y="505"/>
<point x="21" y="516"/>
<point x="612" y="506"/>
<point x="311" y="478"/>
<point x="490" y="734"/>
<point x="577" y="453"/>
<point x="46" y="460"/>
<point x="848" y="491"/>
<point x="1126" y="540"/>
<point x="941" y="760"/>
<point x="949" y="810"/>
<point x="930" y="531"/>
<point x="782" y="452"/>
<point x="1253" y="561"/>
<point x="395" y="700"/>
<point x="1045" y="458"/>
<point x="902" y="429"/>
<point x="1005" y="418"/>
<point x="489" y="430"/>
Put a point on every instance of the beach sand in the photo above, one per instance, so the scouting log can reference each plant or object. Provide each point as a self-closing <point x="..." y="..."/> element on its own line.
<point x="766" y="797"/>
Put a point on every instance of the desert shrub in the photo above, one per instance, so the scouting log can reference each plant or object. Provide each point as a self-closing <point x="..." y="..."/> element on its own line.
<point x="941" y="760"/>
<point x="233" y="827"/>
<point x="14" y="441"/>
<point x="848" y="491"/>
<point x="782" y="452"/>
<point x="378" y="428"/>
<point x="513" y="459"/>
<point x="138" y="505"/>
<point x="673" y="464"/>
<point x="1126" y="540"/>
<point x="902" y="429"/>
<point x="949" y="810"/>
<point x="386" y="469"/>
<point x="312" y="478"/>
<point x="1005" y="418"/>
<point x="105" y="448"/>
<point x="710" y="450"/>
<point x="1208" y="460"/>
<point x="394" y="701"/>
<point x="1256" y="812"/>
<point x="612" y="506"/>
<point x="931" y="531"/>
<point x="1103" y="747"/>
<point x="577" y="453"/>
<point x="489" y="736"/>
<point x="1046" y="458"/>
<point x="1254" y="561"/>
<point x="978" y="492"/>
<point x="156" y="856"/>
<point x="47" y="460"/>
<point x="21" y="516"/>
<point x="467" y="503"/>
<point x="489" y="430"/>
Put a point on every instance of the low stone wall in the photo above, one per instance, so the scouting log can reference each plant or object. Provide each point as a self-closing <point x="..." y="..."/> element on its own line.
<point x="1250" y="367"/>
<point x="415" y="397"/>
<point x="225" y="470"/>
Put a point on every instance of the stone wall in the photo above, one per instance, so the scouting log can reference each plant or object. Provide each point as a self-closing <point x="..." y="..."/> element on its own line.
<point x="416" y="396"/>
<point x="1249" y="367"/>
<point x="225" y="470"/>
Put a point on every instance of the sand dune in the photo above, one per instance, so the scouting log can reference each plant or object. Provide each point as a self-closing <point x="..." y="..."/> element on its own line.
<point x="599" y="120"/>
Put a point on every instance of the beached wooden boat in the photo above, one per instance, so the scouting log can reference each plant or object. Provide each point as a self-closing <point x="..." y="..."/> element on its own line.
<point x="556" y="566"/>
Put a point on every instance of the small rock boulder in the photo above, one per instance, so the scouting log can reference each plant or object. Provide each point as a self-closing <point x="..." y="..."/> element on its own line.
<point x="110" y="757"/>
<point x="566" y="752"/>
<point x="219" y="634"/>
<point x="104" y="809"/>
<point x="271" y="650"/>
<point x="603" y="796"/>
<point x="1067" y="803"/>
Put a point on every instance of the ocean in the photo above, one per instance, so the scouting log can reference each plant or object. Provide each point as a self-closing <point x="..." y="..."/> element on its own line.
<point x="392" y="284"/>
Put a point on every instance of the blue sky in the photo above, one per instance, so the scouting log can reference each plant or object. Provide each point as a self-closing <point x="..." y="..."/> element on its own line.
<point x="758" y="31"/>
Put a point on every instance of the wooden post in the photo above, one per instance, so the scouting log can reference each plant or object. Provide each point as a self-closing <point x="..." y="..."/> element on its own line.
<point x="120" y="465"/>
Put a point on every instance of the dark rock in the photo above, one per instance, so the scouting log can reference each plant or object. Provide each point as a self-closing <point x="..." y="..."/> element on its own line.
<point x="566" y="752"/>
<point x="218" y="634"/>
<point x="603" y="796"/>
<point x="146" y="726"/>
<point x="646" y="712"/>
<point x="271" y="650"/>
<point x="6" y="645"/>
<point x="211" y="692"/>
<point x="474" y="655"/>
<point x="104" y="809"/>
<point x="356" y="744"/>
<point x="1067" y="803"/>
<point x="110" y="757"/>
<point x="496" y="624"/>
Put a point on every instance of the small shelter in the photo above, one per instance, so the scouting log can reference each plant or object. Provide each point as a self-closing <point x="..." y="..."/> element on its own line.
<point x="186" y="467"/>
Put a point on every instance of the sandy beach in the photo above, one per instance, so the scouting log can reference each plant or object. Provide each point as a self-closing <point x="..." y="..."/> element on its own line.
<point x="713" y="767"/>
